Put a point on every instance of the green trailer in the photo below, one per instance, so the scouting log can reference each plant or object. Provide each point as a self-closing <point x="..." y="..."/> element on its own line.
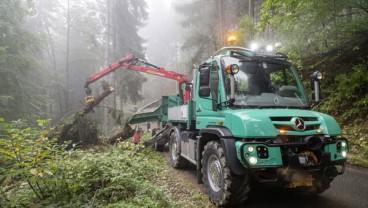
<point x="156" y="111"/>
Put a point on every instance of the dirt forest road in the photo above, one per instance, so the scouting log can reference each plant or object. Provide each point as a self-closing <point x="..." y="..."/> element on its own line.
<point x="349" y="190"/>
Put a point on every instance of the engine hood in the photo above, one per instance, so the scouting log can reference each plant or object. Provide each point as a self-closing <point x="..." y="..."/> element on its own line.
<point x="266" y="123"/>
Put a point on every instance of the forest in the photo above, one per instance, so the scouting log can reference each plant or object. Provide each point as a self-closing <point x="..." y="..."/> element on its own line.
<point x="49" y="48"/>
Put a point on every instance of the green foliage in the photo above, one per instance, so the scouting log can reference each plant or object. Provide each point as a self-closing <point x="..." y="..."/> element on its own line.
<point x="120" y="177"/>
<point x="349" y="100"/>
<point x="130" y="85"/>
<point x="317" y="32"/>
<point x="35" y="171"/>
<point x="32" y="166"/>
<point x="246" y="31"/>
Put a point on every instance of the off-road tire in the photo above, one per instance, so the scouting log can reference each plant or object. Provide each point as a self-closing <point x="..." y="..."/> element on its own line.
<point x="223" y="187"/>
<point x="177" y="161"/>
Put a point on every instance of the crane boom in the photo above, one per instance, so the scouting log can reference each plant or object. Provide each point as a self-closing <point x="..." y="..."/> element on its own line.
<point x="131" y="62"/>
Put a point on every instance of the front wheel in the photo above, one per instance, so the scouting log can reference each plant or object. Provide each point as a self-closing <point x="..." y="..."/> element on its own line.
<point x="222" y="186"/>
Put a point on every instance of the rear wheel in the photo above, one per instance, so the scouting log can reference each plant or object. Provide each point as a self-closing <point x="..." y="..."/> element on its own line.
<point x="223" y="187"/>
<point x="177" y="161"/>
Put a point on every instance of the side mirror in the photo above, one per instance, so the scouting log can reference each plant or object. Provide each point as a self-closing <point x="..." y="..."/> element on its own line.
<point x="204" y="91"/>
<point x="204" y="75"/>
<point x="315" y="78"/>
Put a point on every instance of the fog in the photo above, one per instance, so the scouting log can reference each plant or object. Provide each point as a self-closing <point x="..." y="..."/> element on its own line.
<point x="163" y="37"/>
<point x="55" y="46"/>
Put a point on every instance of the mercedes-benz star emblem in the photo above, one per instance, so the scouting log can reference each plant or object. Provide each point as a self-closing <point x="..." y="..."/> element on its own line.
<point x="299" y="124"/>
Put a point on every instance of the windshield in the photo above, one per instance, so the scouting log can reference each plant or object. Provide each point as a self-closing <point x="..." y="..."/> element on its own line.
<point x="264" y="82"/>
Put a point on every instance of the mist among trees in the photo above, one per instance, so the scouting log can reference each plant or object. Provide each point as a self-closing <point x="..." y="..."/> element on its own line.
<point x="49" y="48"/>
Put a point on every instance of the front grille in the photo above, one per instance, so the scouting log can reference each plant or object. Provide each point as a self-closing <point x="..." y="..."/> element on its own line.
<point x="285" y="123"/>
<point x="288" y="118"/>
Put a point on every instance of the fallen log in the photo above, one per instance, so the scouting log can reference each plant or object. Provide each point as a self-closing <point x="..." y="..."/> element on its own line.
<point x="125" y="134"/>
<point x="96" y="101"/>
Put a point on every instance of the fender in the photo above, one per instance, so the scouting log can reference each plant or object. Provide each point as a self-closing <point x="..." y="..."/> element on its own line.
<point x="228" y="144"/>
<point x="219" y="131"/>
<point x="230" y="153"/>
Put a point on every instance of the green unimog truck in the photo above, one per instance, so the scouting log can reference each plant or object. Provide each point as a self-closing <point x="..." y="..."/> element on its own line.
<point x="248" y="118"/>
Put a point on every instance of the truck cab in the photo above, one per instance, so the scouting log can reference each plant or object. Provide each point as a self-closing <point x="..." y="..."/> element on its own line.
<point x="249" y="118"/>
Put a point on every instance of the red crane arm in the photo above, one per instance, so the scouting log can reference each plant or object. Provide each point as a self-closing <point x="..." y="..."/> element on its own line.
<point x="133" y="63"/>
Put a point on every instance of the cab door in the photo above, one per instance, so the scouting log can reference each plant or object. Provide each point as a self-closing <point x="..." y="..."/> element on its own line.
<point x="207" y="95"/>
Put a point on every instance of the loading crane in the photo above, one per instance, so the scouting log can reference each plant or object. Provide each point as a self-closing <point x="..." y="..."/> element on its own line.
<point x="131" y="62"/>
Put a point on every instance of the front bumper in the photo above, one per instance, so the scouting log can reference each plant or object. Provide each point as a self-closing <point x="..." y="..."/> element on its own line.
<point x="277" y="164"/>
<point x="255" y="155"/>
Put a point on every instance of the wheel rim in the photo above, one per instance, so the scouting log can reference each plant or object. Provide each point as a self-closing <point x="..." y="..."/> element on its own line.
<point x="214" y="173"/>
<point x="173" y="147"/>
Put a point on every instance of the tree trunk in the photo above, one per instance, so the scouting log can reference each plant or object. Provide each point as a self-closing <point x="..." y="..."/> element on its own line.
<point x="251" y="9"/>
<point x="113" y="42"/>
<point x="125" y="134"/>
<point x="105" y="125"/>
<point x="55" y="91"/>
<point x="66" y="93"/>
<point x="97" y="101"/>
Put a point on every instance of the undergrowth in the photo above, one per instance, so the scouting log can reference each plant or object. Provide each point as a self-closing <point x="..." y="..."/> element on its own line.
<point x="38" y="172"/>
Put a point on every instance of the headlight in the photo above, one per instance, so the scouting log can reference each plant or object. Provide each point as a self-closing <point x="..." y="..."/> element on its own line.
<point x="269" y="48"/>
<point x="253" y="160"/>
<point x="344" y="154"/>
<point x="254" y="46"/>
